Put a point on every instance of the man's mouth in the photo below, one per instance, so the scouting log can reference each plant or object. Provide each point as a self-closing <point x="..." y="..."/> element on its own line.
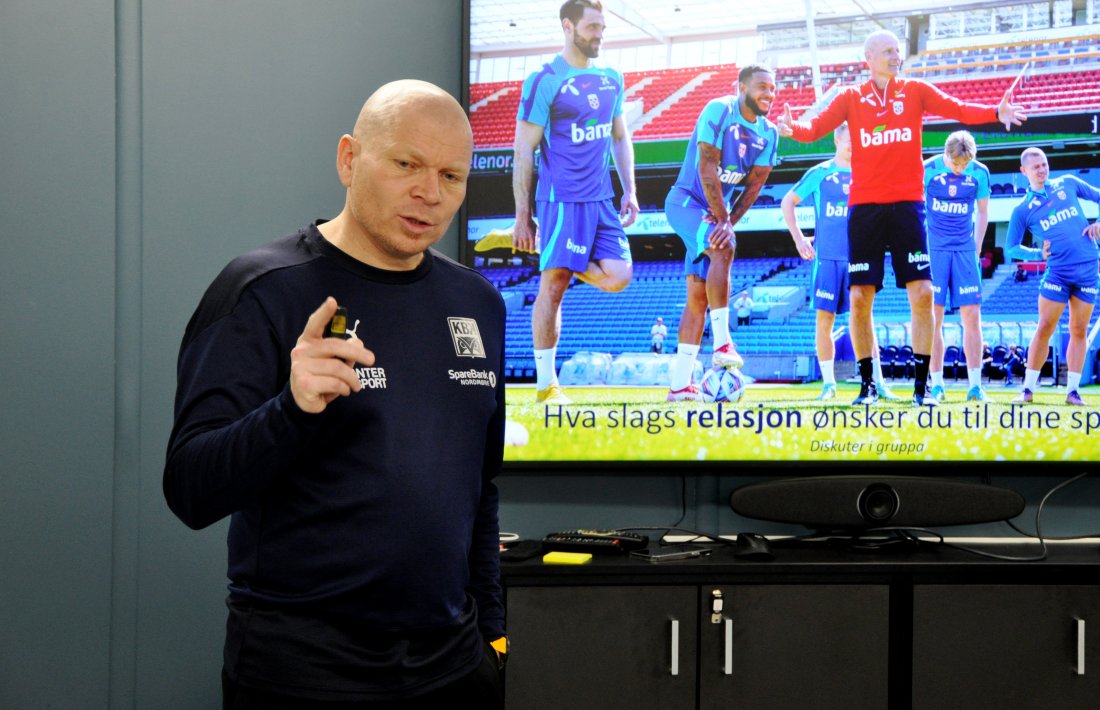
<point x="416" y="224"/>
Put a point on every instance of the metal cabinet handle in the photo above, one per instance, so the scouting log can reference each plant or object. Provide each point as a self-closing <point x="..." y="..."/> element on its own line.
<point x="727" y="666"/>
<point x="675" y="670"/>
<point x="1080" y="647"/>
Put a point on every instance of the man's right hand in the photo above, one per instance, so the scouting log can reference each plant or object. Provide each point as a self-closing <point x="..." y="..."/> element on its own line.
<point x="322" y="369"/>
<point x="722" y="236"/>
<point x="805" y="247"/>
<point x="526" y="236"/>
<point x="785" y="121"/>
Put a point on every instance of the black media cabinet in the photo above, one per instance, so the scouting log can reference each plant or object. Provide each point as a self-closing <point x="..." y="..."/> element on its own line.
<point x="813" y="629"/>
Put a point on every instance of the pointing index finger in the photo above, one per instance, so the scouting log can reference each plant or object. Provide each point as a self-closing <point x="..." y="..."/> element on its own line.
<point x="315" y="326"/>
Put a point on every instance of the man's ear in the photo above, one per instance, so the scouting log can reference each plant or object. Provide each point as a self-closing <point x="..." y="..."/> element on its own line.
<point x="346" y="151"/>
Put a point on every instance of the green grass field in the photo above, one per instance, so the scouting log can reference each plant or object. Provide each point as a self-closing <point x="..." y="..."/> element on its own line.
<point x="783" y="422"/>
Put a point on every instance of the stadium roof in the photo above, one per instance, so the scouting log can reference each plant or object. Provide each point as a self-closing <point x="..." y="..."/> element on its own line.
<point x="499" y="26"/>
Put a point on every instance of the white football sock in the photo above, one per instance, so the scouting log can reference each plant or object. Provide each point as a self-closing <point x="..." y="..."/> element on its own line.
<point x="546" y="373"/>
<point x="683" y="367"/>
<point x="720" y="326"/>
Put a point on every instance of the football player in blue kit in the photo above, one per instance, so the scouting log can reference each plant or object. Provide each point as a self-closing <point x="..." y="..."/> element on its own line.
<point x="956" y="189"/>
<point x="732" y="149"/>
<point x="572" y="112"/>
<point x="1052" y="212"/>
<point x="826" y="185"/>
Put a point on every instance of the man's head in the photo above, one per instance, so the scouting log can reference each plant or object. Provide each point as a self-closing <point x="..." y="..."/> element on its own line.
<point x="842" y="138"/>
<point x="959" y="150"/>
<point x="883" y="54"/>
<point x="582" y="23"/>
<point x="1033" y="164"/>
<point x="405" y="166"/>
<point x="756" y="89"/>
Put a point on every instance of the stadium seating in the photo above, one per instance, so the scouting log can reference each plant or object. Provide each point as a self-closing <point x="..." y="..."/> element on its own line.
<point x="678" y="119"/>
<point x="888" y="355"/>
<point x="620" y="322"/>
<point x="953" y="361"/>
<point x="904" y="364"/>
<point x="1063" y="76"/>
<point x="995" y="369"/>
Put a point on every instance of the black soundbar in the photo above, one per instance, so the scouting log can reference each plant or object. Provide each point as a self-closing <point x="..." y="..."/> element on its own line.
<point x="823" y="502"/>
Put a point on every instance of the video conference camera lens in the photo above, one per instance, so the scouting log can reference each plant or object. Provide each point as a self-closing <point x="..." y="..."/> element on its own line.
<point x="878" y="503"/>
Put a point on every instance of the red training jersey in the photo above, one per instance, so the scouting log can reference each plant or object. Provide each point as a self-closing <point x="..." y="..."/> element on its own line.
<point x="885" y="126"/>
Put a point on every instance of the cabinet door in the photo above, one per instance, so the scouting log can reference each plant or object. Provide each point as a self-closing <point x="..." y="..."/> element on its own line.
<point x="795" y="646"/>
<point x="1006" y="646"/>
<point x="601" y="647"/>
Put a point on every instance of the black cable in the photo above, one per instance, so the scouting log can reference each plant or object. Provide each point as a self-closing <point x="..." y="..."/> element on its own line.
<point x="697" y="536"/>
<point x="683" y="500"/>
<point x="1038" y="530"/>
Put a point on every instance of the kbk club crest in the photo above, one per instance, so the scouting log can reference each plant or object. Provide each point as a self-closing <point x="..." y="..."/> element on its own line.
<point x="594" y="101"/>
<point x="899" y="106"/>
<point x="466" y="337"/>
<point x="952" y="190"/>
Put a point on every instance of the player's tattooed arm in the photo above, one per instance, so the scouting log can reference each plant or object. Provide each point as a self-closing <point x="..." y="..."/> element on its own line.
<point x="755" y="180"/>
<point x="717" y="214"/>
<point x="709" y="159"/>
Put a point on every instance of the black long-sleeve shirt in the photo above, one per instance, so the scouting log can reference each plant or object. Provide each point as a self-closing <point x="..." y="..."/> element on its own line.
<point x="381" y="510"/>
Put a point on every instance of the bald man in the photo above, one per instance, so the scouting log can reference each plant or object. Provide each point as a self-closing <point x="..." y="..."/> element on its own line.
<point x="354" y="450"/>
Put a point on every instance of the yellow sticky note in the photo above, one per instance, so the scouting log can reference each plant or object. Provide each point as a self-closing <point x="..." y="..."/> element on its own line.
<point x="566" y="558"/>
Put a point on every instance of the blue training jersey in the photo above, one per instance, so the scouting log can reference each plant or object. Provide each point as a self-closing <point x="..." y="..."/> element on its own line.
<point x="575" y="107"/>
<point x="826" y="185"/>
<point x="1053" y="214"/>
<point x="743" y="145"/>
<point x="950" y="201"/>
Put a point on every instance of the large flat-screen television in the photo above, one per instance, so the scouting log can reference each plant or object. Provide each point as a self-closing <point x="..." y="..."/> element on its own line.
<point x="676" y="56"/>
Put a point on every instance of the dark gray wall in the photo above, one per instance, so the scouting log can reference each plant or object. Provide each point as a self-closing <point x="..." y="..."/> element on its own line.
<point x="57" y="216"/>
<point x="142" y="145"/>
<point x="114" y="218"/>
